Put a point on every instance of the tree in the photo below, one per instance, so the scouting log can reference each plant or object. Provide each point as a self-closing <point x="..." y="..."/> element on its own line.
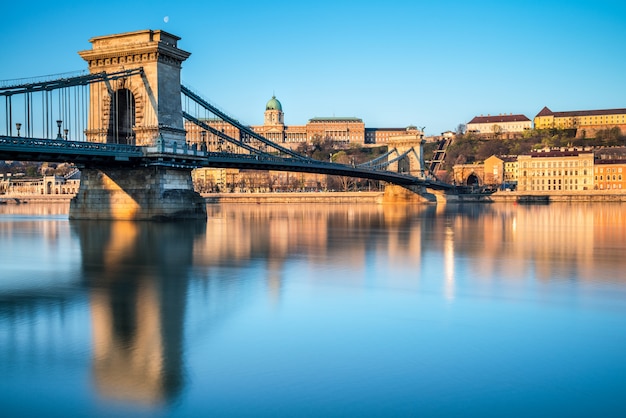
<point x="497" y="131"/>
<point x="489" y="148"/>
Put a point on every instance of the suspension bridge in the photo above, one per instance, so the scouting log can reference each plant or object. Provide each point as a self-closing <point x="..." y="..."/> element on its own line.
<point x="126" y="124"/>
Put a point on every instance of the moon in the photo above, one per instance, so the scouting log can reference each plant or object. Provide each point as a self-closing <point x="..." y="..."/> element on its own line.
<point x="166" y="19"/>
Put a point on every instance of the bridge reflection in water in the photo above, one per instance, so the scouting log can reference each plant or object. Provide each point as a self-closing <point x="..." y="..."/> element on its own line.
<point x="137" y="273"/>
<point x="155" y="295"/>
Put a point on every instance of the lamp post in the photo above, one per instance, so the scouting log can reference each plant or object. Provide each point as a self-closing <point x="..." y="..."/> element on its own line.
<point x="65" y="132"/>
<point x="18" y="126"/>
<point x="203" y="135"/>
<point x="59" y="123"/>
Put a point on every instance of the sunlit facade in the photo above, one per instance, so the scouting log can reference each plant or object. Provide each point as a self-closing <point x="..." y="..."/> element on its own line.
<point x="556" y="171"/>
<point x="341" y="130"/>
<point x="499" y="126"/>
<point x="46" y="185"/>
<point x="610" y="174"/>
<point x="586" y="122"/>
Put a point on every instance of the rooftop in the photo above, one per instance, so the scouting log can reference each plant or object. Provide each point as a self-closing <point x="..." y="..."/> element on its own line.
<point x="573" y="113"/>
<point x="335" y="119"/>
<point x="499" y="118"/>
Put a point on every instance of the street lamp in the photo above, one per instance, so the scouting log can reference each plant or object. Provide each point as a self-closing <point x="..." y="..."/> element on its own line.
<point x="18" y="126"/>
<point x="59" y="123"/>
<point x="203" y="144"/>
<point x="65" y="131"/>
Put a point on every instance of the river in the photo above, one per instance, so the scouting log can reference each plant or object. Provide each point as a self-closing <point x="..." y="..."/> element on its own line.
<point x="314" y="310"/>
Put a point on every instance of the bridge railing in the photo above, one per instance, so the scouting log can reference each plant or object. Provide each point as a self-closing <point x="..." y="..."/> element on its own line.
<point x="28" y="144"/>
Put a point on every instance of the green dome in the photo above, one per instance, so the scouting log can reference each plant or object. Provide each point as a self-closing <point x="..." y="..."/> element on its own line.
<point x="274" y="104"/>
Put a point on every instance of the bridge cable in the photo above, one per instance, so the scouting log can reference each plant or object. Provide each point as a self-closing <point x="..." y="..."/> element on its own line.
<point x="238" y="125"/>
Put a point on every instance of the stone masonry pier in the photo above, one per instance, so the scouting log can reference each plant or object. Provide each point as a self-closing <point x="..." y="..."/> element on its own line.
<point x="149" y="193"/>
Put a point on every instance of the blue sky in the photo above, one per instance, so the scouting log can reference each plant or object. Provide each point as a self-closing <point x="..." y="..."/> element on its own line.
<point x="395" y="63"/>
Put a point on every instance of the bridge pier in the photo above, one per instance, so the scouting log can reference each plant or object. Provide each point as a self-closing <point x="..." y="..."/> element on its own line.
<point x="143" y="194"/>
<point x="415" y="194"/>
<point x="407" y="194"/>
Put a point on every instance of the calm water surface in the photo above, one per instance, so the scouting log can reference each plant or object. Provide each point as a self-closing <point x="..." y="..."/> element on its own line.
<point x="316" y="311"/>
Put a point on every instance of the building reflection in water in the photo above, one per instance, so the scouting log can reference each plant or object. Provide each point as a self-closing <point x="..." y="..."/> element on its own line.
<point x="342" y="236"/>
<point x="137" y="274"/>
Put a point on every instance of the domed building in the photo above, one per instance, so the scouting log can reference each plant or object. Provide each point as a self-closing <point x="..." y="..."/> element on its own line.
<point x="274" y="104"/>
<point x="341" y="130"/>
<point x="274" y="112"/>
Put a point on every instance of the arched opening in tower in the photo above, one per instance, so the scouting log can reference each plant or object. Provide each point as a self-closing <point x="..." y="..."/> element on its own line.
<point x="404" y="165"/>
<point x="123" y="118"/>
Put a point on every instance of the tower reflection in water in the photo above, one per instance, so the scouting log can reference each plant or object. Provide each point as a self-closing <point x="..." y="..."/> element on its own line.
<point x="137" y="274"/>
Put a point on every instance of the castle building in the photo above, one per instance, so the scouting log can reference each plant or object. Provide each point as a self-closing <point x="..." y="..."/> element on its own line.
<point x="586" y="122"/>
<point x="341" y="130"/>
<point x="500" y="126"/>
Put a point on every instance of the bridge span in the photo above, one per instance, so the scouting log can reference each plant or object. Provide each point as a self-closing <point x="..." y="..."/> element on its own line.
<point x="89" y="154"/>
<point x="123" y="125"/>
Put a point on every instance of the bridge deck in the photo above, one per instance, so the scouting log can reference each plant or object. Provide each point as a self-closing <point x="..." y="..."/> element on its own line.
<point x="88" y="153"/>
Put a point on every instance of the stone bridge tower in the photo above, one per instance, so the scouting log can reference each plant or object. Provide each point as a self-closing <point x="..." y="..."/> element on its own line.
<point x="143" y="109"/>
<point x="135" y="110"/>
<point x="413" y="141"/>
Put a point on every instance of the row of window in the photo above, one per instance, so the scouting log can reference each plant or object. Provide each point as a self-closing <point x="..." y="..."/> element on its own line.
<point x="538" y="188"/>
<point x="554" y="173"/>
<point x="608" y="178"/>
<point x="609" y="170"/>
<point x="555" y="164"/>
<point x="571" y="181"/>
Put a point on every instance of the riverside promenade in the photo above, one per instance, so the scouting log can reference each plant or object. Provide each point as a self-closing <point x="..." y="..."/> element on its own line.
<point x="379" y="197"/>
<point x="359" y="197"/>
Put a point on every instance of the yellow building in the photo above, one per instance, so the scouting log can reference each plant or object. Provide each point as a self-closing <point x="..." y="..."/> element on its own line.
<point x="494" y="170"/>
<point x="556" y="170"/>
<point x="510" y="170"/>
<point x="586" y="122"/>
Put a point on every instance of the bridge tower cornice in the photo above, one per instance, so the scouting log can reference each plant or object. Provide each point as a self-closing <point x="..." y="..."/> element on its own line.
<point x="136" y="55"/>
<point x="136" y="43"/>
